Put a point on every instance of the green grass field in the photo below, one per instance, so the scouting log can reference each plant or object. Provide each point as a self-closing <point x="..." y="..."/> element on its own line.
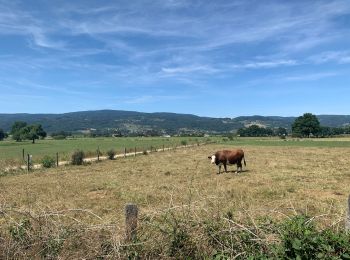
<point x="295" y="142"/>
<point x="12" y="151"/>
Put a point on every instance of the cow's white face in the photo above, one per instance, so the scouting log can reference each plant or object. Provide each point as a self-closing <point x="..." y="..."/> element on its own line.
<point x="213" y="157"/>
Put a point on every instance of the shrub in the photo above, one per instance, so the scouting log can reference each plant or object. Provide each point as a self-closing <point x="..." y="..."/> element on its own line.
<point x="301" y="240"/>
<point x="48" y="161"/>
<point x="111" y="154"/>
<point x="183" y="142"/>
<point x="78" y="157"/>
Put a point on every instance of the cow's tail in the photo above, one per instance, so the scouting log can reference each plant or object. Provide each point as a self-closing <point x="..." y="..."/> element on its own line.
<point x="244" y="161"/>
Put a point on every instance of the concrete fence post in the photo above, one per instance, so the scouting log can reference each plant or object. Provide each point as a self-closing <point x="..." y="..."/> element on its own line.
<point x="347" y="220"/>
<point x="131" y="214"/>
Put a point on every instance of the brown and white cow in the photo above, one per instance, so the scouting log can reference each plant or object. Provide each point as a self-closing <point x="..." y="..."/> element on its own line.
<point x="228" y="157"/>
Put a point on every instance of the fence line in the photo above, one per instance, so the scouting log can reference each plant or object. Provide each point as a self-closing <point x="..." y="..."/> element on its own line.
<point x="30" y="166"/>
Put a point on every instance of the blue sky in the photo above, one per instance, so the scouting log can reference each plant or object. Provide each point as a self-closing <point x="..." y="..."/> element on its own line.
<point x="209" y="58"/>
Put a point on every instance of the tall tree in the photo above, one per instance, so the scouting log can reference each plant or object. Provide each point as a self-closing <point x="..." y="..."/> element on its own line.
<point x="2" y="134"/>
<point x="21" y="131"/>
<point x="16" y="130"/>
<point x="32" y="132"/>
<point x="306" y="125"/>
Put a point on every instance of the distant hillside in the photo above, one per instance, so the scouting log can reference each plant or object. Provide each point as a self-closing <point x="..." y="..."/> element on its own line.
<point x="169" y="123"/>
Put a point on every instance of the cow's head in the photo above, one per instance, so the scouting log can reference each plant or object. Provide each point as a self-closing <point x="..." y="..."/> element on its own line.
<point x="212" y="158"/>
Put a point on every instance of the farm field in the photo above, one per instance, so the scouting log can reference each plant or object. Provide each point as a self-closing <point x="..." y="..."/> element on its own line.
<point x="278" y="182"/>
<point x="12" y="151"/>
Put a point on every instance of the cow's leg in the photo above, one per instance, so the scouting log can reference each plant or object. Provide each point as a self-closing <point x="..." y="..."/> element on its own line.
<point x="239" y="167"/>
<point x="219" y="169"/>
<point x="225" y="167"/>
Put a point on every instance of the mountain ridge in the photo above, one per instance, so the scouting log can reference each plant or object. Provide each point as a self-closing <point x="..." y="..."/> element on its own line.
<point x="163" y="122"/>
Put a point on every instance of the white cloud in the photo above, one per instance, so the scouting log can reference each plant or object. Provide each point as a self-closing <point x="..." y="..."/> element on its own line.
<point x="149" y="99"/>
<point x="311" y="77"/>
<point x="340" y="57"/>
<point x="265" y="64"/>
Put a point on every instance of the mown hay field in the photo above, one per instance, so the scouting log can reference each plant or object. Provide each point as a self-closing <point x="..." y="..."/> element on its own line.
<point x="278" y="182"/>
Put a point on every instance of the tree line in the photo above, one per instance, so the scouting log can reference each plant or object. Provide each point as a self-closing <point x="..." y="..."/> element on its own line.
<point x="22" y="131"/>
<point x="306" y="125"/>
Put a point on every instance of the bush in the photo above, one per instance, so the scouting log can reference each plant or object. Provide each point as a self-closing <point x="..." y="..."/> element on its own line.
<point x="48" y="161"/>
<point x="111" y="154"/>
<point x="183" y="142"/>
<point x="301" y="240"/>
<point x="78" y="157"/>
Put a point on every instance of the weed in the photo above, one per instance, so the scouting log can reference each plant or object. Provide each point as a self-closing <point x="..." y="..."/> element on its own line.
<point x="77" y="157"/>
<point x="48" y="161"/>
<point x="111" y="153"/>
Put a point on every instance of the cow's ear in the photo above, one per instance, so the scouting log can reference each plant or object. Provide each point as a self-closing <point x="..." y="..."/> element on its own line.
<point x="209" y="157"/>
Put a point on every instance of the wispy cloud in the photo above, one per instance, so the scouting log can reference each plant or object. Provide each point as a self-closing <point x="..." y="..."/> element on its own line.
<point x="311" y="77"/>
<point x="340" y="57"/>
<point x="189" y="69"/>
<point x="265" y="64"/>
<point x="149" y="99"/>
<point x="66" y="46"/>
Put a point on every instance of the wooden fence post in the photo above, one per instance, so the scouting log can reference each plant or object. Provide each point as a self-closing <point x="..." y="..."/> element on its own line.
<point x="163" y="147"/>
<point x="124" y="152"/>
<point x="57" y="159"/>
<point x="98" y="153"/>
<point x="23" y="155"/>
<point x="28" y="162"/>
<point x="347" y="220"/>
<point x="131" y="212"/>
<point x="135" y="152"/>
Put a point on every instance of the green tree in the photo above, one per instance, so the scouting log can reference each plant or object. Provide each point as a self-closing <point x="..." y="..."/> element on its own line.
<point x="32" y="132"/>
<point x="21" y="131"/>
<point x="3" y="135"/>
<point x="306" y="126"/>
<point x="281" y="131"/>
<point x="16" y="130"/>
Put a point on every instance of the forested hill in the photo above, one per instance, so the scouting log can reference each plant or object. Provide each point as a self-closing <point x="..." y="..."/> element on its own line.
<point x="169" y="123"/>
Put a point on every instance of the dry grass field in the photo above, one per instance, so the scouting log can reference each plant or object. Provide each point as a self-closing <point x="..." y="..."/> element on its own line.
<point x="278" y="182"/>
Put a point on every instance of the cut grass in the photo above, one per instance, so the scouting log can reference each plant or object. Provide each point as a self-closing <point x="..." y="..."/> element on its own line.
<point x="276" y="177"/>
<point x="178" y="187"/>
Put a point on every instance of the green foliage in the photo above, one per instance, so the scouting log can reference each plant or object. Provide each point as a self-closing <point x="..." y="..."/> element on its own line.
<point x="306" y="125"/>
<point x="111" y="153"/>
<point x="281" y="132"/>
<point x="48" y="161"/>
<point x="3" y="135"/>
<point x="183" y="142"/>
<point x="21" y="131"/>
<point x="60" y="135"/>
<point x="16" y="130"/>
<point x="301" y="240"/>
<point x="255" y="130"/>
<point x="77" y="157"/>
